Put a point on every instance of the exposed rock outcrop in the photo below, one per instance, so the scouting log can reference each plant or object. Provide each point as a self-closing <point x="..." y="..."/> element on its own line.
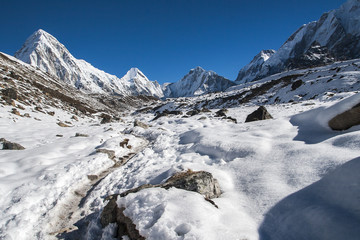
<point x="260" y="114"/>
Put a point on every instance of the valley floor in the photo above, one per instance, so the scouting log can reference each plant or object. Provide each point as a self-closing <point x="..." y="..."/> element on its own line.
<point x="264" y="168"/>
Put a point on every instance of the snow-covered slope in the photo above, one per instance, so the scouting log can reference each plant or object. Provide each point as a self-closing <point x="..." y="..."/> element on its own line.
<point x="44" y="51"/>
<point x="197" y="82"/>
<point x="336" y="36"/>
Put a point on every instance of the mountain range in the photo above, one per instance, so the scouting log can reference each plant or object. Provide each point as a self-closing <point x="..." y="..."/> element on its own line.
<point x="334" y="37"/>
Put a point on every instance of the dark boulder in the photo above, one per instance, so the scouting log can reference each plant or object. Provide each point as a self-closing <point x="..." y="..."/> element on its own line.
<point x="193" y="112"/>
<point x="105" y="118"/>
<point x="221" y="113"/>
<point x="10" y="93"/>
<point x="10" y="145"/>
<point x="346" y="119"/>
<point x="296" y="84"/>
<point x="260" y="114"/>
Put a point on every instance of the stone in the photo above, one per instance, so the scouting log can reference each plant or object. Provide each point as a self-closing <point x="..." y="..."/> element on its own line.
<point x="197" y="181"/>
<point x="27" y="115"/>
<point x="105" y="118"/>
<point x="59" y="135"/>
<point x="15" y="111"/>
<point x="201" y="182"/>
<point x="81" y="135"/>
<point x="113" y="214"/>
<point x="259" y="114"/>
<point x="231" y="119"/>
<point x="205" y="110"/>
<point x="110" y="153"/>
<point x="137" y="123"/>
<point x="61" y="124"/>
<point x="51" y="113"/>
<point x="124" y="143"/>
<point x="193" y="112"/>
<point x="221" y="113"/>
<point x="346" y="120"/>
<point x="10" y="145"/>
<point x="10" y="93"/>
<point x="92" y="177"/>
<point x="296" y="84"/>
<point x="74" y="118"/>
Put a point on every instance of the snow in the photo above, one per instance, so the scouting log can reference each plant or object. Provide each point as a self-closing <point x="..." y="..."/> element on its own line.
<point x="44" y="51"/>
<point x="257" y="164"/>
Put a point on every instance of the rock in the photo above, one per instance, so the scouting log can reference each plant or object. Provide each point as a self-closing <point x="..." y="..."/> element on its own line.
<point x="61" y="124"/>
<point x="221" y="113"/>
<point x="20" y="107"/>
<point x="113" y="214"/>
<point x="124" y="143"/>
<point x="27" y="115"/>
<point x="137" y="123"/>
<point x="105" y="118"/>
<point x="205" y="110"/>
<point x="10" y="145"/>
<point x="193" y="112"/>
<point x="260" y="114"/>
<point x="231" y="119"/>
<point x="37" y="108"/>
<point x="346" y="119"/>
<point x="92" y="177"/>
<point x="15" y="111"/>
<point x="59" y="135"/>
<point x="201" y="182"/>
<point x="51" y="113"/>
<point x="109" y="213"/>
<point x="74" y="118"/>
<point x="296" y="84"/>
<point x="10" y="93"/>
<point x="81" y="135"/>
<point x="202" y="118"/>
<point x="166" y="113"/>
<point x="110" y="153"/>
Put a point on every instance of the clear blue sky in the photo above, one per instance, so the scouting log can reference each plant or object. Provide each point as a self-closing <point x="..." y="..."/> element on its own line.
<point x="163" y="38"/>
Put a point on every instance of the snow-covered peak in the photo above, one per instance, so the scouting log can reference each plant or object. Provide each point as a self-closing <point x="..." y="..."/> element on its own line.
<point x="44" y="51"/>
<point x="349" y="15"/>
<point x="197" y="82"/>
<point x="247" y="72"/>
<point x="337" y="32"/>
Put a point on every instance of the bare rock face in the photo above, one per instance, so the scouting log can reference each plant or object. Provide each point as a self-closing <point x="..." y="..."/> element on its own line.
<point x="346" y="119"/>
<point x="260" y="114"/>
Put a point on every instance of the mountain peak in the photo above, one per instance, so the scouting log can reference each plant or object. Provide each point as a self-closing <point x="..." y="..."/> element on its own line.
<point x="44" y="51"/>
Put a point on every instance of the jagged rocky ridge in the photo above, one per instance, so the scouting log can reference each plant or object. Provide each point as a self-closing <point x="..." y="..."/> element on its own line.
<point x="335" y="36"/>
<point x="45" y="52"/>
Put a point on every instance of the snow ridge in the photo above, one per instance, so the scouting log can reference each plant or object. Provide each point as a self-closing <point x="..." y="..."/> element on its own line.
<point x="44" y="51"/>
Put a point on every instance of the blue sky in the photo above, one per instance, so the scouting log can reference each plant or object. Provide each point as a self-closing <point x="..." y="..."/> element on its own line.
<point x="163" y="38"/>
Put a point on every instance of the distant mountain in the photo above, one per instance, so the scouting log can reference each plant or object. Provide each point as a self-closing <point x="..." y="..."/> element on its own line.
<point x="197" y="82"/>
<point x="335" y="36"/>
<point x="45" y="52"/>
